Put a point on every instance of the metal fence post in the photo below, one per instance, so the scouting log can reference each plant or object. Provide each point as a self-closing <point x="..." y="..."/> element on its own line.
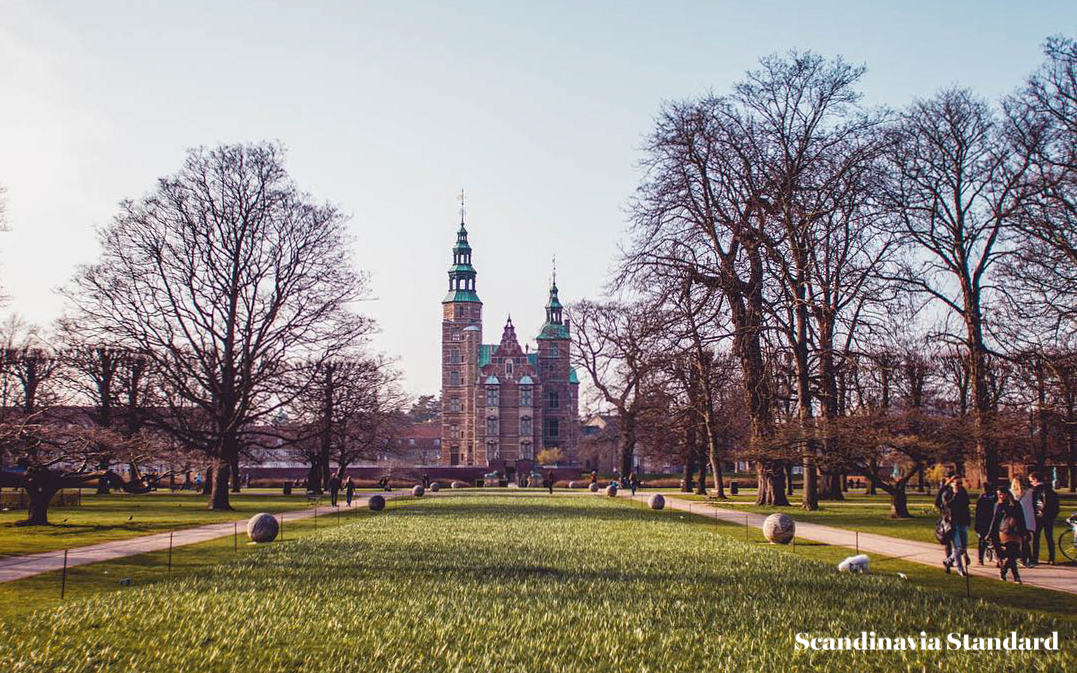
<point x="745" y="526"/>
<point x="170" y="551"/>
<point x="857" y="542"/>
<point x="235" y="536"/>
<point x="63" y="577"/>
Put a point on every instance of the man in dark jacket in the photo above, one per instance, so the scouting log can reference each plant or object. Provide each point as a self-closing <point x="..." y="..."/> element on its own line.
<point x="1045" y="505"/>
<point x="334" y="488"/>
<point x="985" y="513"/>
<point x="955" y="505"/>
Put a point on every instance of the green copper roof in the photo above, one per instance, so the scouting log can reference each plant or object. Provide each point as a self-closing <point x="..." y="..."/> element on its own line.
<point x="461" y="239"/>
<point x="572" y="378"/>
<point x="485" y="353"/>
<point x="552" y="330"/>
<point x="554" y="302"/>
<point x="458" y="268"/>
<point x="461" y="296"/>
<point x="532" y="359"/>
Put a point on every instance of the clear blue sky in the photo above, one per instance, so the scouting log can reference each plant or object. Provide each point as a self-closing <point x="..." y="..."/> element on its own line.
<point x="388" y="109"/>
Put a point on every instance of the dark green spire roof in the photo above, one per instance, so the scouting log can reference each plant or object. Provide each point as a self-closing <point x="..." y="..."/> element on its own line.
<point x="555" y="327"/>
<point x="461" y="273"/>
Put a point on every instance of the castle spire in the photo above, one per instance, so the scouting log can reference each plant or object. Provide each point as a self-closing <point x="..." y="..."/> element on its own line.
<point x="461" y="273"/>
<point x="555" y="327"/>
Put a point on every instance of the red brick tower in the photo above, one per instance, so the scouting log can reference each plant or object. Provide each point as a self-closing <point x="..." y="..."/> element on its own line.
<point x="461" y="337"/>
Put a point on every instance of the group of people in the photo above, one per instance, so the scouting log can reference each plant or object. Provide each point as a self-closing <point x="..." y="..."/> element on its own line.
<point x="1008" y="522"/>
<point x="335" y="484"/>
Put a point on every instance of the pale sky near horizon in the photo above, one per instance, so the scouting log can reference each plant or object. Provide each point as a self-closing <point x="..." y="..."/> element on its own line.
<point x="388" y="109"/>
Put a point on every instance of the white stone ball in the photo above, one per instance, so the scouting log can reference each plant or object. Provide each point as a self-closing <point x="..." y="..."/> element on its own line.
<point x="418" y="490"/>
<point x="263" y="528"/>
<point x="376" y="503"/>
<point x="594" y="487"/>
<point x="435" y="487"/>
<point x="611" y="490"/>
<point x="572" y="484"/>
<point x="656" y="501"/>
<point x="458" y="484"/>
<point x="779" y="528"/>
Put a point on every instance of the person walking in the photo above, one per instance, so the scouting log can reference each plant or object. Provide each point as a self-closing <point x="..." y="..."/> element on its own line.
<point x="550" y="480"/>
<point x="985" y="513"/>
<point x="944" y="528"/>
<point x="594" y="476"/>
<point x="349" y="490"/>
<point x="334" y="489"/>
<point x="633" y="482"/>
<point x="1022" y="495"/>
<point x="1008" y="530"/>
<point x="1045" y="506"/>
<point x="956" y="502"/>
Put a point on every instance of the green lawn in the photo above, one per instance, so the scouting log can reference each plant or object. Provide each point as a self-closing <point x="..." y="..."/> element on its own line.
<point x="116" y="517"/>
<point x="524" y="582"/>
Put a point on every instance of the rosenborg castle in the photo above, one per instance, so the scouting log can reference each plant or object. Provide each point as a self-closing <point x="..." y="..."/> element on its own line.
<point x="501" y="404"/>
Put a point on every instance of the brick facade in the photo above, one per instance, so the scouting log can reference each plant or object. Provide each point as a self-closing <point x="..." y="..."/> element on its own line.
<point x="502" y="404"/>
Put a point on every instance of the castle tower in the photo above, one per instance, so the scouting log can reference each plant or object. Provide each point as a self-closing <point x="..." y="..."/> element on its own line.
<point x="461" y="337"/>
<point x="559" y="396"/>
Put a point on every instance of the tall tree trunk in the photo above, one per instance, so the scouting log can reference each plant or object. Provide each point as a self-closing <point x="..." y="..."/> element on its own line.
<point x="789" y="478"/>
<point x="899" y="503"/>
<point x="771" y="477"/>
<point x="221" y="471"/>
<point x="40" y="496"/>
<point x="207" y="484"/>
<point x="689" y="470"/>
<point x="701" y="484"/>
<point x="716" y="470"/>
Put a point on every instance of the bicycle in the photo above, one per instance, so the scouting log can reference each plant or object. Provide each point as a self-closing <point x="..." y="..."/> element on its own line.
<point x="1067" y="540"/>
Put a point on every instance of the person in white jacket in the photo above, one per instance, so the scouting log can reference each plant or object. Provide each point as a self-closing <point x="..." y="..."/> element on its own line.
<point x="1022" y="494"/>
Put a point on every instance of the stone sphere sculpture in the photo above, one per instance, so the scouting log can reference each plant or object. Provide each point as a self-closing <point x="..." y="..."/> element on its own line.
<point x="418" y="490"/>
<point x="656" y="501"/>
<point x="458" y="484"/>
<point x="594" y="487"/>
<point x="572" y="484"/>
<point x="435" y="487"/>
<point x="611" y="490"/>
<point x="263" y="528"/>
<point x="779" y="528"/>
<point x="376" y="503"/>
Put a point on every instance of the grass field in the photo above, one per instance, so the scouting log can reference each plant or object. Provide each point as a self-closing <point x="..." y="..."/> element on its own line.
<point x="101" y="518"/>
<point x="519" y="582"/>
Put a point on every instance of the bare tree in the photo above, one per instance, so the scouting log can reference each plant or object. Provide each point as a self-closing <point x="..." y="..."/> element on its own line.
<point x="955" y="190"/>
<point x="617" y="345"/>
<point x="224" y="276"/>
<point x="350" y="409"/>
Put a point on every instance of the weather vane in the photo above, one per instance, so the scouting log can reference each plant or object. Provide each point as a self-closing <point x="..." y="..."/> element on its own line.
<point x="462" y="210"/>
<point x="554" y="276"/>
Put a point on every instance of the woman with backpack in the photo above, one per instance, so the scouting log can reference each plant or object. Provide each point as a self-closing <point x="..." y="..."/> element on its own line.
<point x="985" y="514"/>
<point x="1008" y="529"/>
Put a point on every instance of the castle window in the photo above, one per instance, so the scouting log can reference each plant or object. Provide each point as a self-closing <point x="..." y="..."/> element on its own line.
<point x="454" y="356"/>
<point x="553" y="428"/>
<point x="454" y="378"/>
<point x="491" y="396"/>
<point x="525" y="449"/>
<point x="525" y="396"/>
<point x="454" y="431"/>
<point x="491" y="451"/>
<point x="491" y="426"/>
<point x="525" y="425"/>
<point x="454" y="404"/>
<point x="508" y="366"/>
<point x="554" y="351"/>
<point x="552" y="400"/>
<point x="457" y="336"/>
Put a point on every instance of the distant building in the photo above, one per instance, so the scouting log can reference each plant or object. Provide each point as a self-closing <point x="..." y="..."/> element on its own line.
<point x="502" y="404"/>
